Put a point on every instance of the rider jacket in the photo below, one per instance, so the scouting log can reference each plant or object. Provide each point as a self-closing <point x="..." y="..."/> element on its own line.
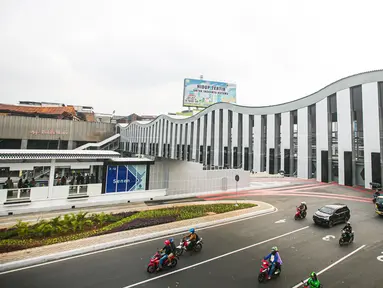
<point x="274" y="258"/>
<point x="303" y="207"/>
<point x="192" y="236"/>
<point x="348" y="228"/>
<point x="167" y="250"/>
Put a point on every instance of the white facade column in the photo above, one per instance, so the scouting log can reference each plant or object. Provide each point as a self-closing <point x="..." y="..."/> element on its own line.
<point x="234" y="133"/>
<point x="257" y="143"/>
<point x="194" y="154"/>
<point x="245" y="139"/>
<point x="285" y="136"/>
<point x="216" y="138"/>
<point x="303" y="151"/>
<point x="321" y="134"/>
<point x="225" y="136"/>
<point x="344" y="129"/>
<point x="51" y="178"/>
<point x="370" y="128"/>
<point x="270" y="139"/>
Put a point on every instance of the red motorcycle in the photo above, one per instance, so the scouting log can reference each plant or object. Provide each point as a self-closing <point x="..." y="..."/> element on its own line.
<point x="299" y="214"/>
<point x="264" y="271"/>
<point x="171" y="262"/>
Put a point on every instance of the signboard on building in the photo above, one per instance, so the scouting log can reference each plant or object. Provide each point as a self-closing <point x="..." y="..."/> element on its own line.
<point x="124" y="178"/>
<point x="202" y="93"/>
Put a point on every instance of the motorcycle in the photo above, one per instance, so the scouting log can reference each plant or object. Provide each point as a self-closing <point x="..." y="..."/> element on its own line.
<point x="264" y="271"/>
<point x="171" y="262"/>
<point x="299" y="215"/>
<point x="345" y="239"/>
<point x="184" y="244"/>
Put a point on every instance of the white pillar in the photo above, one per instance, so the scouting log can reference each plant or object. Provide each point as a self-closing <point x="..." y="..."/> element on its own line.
<point x="51" y="178"/>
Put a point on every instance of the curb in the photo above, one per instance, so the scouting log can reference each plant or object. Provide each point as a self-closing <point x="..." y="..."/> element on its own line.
<point x="99" y="247"/>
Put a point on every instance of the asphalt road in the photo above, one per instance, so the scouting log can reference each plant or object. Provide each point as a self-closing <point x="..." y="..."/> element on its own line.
<point x="303" y="250"/>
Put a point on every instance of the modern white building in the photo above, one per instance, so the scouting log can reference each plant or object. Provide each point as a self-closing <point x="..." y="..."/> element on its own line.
<point x="334" y="134"/>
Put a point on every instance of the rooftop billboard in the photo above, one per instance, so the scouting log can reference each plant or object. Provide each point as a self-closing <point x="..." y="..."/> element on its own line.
<point x="203" y="93"/>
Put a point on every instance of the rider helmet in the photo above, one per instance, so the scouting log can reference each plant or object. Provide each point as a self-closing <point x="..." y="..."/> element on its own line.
<point x="191" y="230"/>
<point x="275" y="248"/>
<point x="171" y="240"/>
<point x="314" y="276"/>
<point x="303" y="203"/>
<point x="167" y="242"/>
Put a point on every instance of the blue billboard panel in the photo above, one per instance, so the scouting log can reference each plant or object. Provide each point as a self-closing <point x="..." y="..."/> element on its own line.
<point x="124" y="178"/>
<point x="111" y="174"/>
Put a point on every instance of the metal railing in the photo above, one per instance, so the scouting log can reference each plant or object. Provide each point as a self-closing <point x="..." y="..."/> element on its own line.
<point x="78" y="190"/>
<point x="18" y="194"/>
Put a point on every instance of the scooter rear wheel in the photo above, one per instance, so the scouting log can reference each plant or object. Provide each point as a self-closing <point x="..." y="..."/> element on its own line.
<point x="261" y="277"/>
<point x="198" y="247"/>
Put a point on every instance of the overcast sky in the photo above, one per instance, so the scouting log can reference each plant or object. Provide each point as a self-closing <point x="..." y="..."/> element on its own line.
<point x="132" y="56"/>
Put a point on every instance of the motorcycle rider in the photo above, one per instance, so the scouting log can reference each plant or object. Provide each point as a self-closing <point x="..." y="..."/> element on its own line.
<point x="167" y="250"/>
<point x="376" y="194"/>
<point x="172" y="246"/>
<point x="192" y="237"/>
<point x="275" y="260"/>
<point x="303" y="208"/>
<point x="313" y="281"/>
<point x="348" y="229"/>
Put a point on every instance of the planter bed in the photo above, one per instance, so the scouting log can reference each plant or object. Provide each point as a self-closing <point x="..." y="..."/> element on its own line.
<point x="77" y="226"/>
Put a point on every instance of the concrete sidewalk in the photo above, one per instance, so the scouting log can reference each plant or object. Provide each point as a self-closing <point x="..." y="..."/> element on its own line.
<point x="33" y="256"/>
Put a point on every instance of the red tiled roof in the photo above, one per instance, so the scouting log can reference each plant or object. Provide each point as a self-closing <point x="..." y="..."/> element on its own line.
<point x="38" y="110"/>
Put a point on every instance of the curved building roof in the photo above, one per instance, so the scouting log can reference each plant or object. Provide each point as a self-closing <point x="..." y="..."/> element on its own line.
<point x="344" y="83"/>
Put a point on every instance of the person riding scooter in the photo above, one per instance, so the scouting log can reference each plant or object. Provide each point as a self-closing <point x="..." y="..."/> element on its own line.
<point x="376" y="195"/>
<point x="167" y="250"/>
<point x="192" y="237"/>
<point x="313" y="281"/>
<point x="303" y="208"/>
<point x="274" y="259"/>
<point x="348" y="230"/>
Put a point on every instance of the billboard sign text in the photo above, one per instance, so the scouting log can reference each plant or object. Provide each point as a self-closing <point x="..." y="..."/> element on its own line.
<point x="202" y="93"/>
<point x="125" y="178"/>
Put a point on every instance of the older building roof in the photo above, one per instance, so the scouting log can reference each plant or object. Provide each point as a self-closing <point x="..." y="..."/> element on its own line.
<point x="37" y="110"/>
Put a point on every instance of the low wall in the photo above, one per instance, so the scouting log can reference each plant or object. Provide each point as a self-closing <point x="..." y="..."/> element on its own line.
<point x="60" y="201"/>
<point x="181" y="177"/>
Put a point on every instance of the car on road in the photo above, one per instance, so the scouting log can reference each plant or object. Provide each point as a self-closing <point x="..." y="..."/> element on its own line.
<point x="379" y="205"/>
<point x="330" y="215"/>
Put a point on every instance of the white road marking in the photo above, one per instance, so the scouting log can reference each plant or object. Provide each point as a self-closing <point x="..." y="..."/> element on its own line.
<point x="333" y="264"/>
<point x="380" y="258"/>
<point x="280" y="221"/>
<point x="328" y="237"/>
<point x="215" y="258"/>
<point x="132" y="244"/>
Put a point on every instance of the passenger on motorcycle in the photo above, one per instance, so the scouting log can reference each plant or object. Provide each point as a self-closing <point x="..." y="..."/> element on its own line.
<point x="275" y="260"/>
<point x="348" y="229"/>
<point x="192" y="237"/>
<point x="313" y="281"/>
<point x="165" y="253"/>
<point x="172" y="245"/>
